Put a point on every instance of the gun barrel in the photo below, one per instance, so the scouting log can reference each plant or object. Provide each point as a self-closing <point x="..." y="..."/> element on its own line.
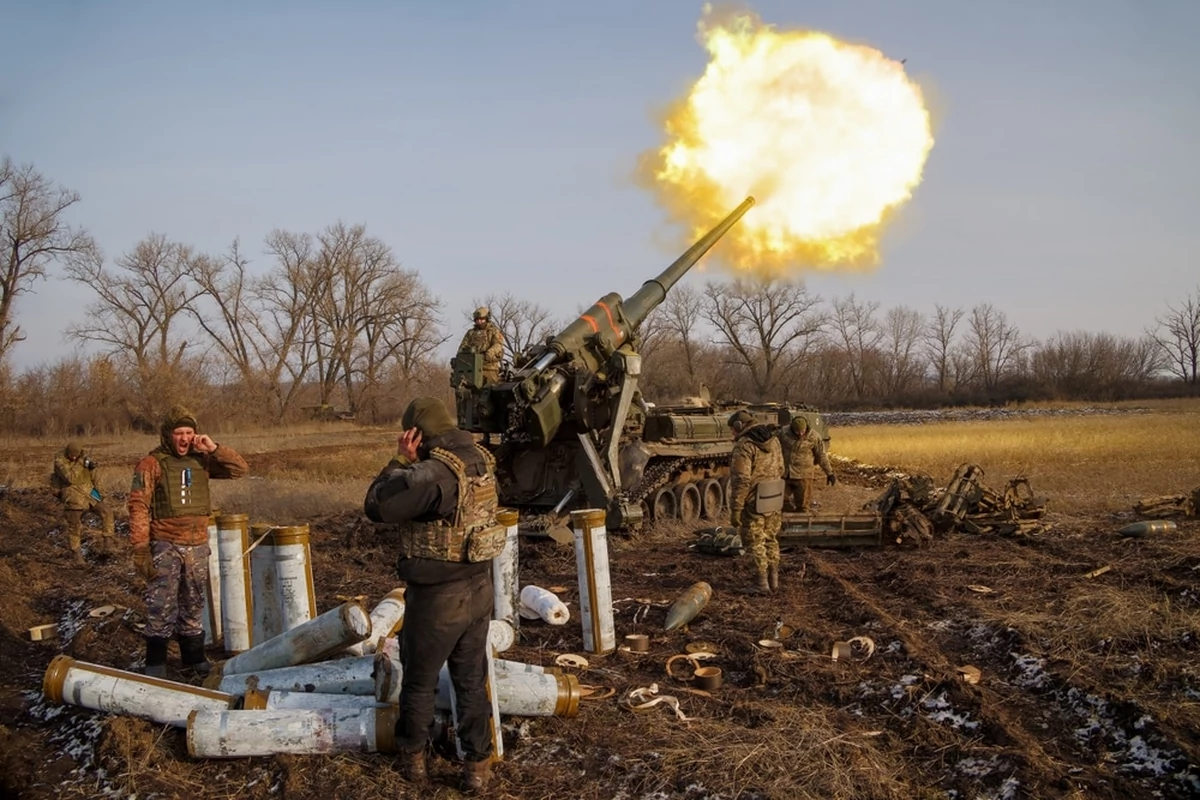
<point x="653" y="291"/>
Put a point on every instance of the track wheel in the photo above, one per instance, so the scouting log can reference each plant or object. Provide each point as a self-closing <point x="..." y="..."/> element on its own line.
<point x="712" y="499"/>
<point x="664" y="505"/>
<point x="688" y="497"/>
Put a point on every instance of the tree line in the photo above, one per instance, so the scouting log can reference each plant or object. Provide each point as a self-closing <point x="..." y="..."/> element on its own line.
<point x="334" y="322"/>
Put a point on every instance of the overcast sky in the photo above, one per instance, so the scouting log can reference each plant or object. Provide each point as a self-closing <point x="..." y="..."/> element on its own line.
<point x="492" y="144"/>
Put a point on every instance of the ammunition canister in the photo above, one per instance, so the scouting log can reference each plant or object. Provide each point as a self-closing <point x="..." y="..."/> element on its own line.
<point x="595" y="584"/>
<point x="236" y="594"/>
<point x="119" y="692"/>
<point x="310" y="641"/>
<point x="506" y="592"/>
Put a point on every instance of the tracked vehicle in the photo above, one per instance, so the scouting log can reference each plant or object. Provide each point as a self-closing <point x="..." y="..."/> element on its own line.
<point x="568" y="429"/>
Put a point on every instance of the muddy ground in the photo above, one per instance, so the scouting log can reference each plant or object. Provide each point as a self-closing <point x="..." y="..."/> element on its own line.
<point x="1088" y="687"/>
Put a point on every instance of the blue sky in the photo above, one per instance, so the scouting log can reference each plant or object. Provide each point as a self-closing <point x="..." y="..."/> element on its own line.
<point x="492" y="144"/>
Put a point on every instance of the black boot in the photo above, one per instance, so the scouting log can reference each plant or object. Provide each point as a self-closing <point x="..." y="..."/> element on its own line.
<point x="191" y="653"/>
<point x="156" y="656"/>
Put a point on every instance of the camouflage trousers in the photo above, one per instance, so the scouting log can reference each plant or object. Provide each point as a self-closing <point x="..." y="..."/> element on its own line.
<point x="798" y="493"/>
<point x="75" y="524"/>
<point x="760" y="535"/>
<point x="490" y="375"/>
<point x="175" y="597"/>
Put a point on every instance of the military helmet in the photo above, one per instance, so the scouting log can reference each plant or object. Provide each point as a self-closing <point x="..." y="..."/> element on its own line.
<point x="74" y="449"/>
<point x="482" y="313"/>
<point x="740" y="420"/>
<point x="799" y="425"/>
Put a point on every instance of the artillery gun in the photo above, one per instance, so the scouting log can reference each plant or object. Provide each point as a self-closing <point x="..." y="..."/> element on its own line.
<point x="560" y="424"/>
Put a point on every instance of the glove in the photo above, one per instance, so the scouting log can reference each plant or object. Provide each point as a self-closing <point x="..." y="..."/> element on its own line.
<point x="89" y="464"/>
<point x="831" y="479"/>
<point x="735" y="519"/>
<point x="143" y="563"/>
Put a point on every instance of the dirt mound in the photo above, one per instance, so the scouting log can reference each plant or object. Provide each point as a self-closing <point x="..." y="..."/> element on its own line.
<point x="1086" y="686"/>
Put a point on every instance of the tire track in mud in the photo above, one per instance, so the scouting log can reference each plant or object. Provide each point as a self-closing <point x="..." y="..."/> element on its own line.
<point x="1026" y="691"/>
<point x="1021" y="744"/>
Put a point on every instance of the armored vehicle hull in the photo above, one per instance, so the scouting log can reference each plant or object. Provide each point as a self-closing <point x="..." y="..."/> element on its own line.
<point x="673" y="463"/>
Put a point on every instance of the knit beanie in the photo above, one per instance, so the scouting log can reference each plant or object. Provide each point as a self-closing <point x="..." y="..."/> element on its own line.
<point x="428" y="415"/>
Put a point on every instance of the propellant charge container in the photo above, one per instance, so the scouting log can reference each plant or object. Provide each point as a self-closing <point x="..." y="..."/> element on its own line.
<point x="341" y="676"/>
<point x="1149" y="527"/>
<point x="236" y="594"/>
<point x="211" y="617"/>
<point x="238" y="734"/>
<point x="690" y="603"/>
<point x="271" y="699"/>
<point x="524" y="694"/>
<point x="103" y="688"/>
<point x="506" y="590"/>
<point x="267" y="622"/>
<point x="293" y="574"/>
<point x="387" y="617"/>
<point x="595" y="583"/>
<point x="310" y="641"/>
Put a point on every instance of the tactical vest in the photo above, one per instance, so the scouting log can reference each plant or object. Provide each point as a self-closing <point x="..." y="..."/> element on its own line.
<point x="182" y="491"/>
<point x="473" y="535"/>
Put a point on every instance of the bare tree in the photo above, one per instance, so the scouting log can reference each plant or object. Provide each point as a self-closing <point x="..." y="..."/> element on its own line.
<point x="1178" y="337"/>
<point x="900" y="369"/>
<point x="137" y="311"/>
<point x="681" y="310"/>
<point x="763" y="321"/>
<point x="939" y="343"/>
<point x="33" y="233"/>
<point x="524" y="323"/>
<point x="995" y="346"/>
<point x="854" y="331"/>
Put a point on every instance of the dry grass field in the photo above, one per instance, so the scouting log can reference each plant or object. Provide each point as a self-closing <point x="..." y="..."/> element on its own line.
<point x="1088" y="687"/>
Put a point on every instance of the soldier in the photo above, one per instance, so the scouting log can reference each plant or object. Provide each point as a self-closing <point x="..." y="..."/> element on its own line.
<point x="756" y="496"/>
<point x="487" y="339"/>
<point x="803" y="448"/>
<point x="75" y="477"/>
<point x="441" y="490"/>
<point x="169" y="507"/>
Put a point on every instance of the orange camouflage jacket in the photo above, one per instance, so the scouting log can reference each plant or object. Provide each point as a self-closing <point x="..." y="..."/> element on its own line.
<point x="224" y="462"/>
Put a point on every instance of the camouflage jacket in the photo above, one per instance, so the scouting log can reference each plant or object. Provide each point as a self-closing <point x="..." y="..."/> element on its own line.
<point x="224" y="462"/>
<point x="76" y="481"/>
<point x="756" y="457"/>
<point x="487" y="340"/>
<point x="800" y="453"/>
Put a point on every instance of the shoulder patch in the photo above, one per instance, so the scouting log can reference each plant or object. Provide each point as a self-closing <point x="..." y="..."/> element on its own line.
<point x="137" y="482"/>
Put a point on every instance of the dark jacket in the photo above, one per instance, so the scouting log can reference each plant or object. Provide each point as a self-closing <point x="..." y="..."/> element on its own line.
<point x="426" y="491"/>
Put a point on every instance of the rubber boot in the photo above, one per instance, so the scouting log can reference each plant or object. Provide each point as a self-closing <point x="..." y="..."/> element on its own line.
<point x="156" y="657"/>
<point x="476" y="775"/>
<point x="773" y="577"/>
<point x="412" y="767"/>
<point x="191" y="653"/>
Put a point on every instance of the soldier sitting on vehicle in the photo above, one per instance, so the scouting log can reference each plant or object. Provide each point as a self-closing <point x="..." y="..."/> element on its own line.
<point x="485" y="338"/>
<point x="802" y="449"/>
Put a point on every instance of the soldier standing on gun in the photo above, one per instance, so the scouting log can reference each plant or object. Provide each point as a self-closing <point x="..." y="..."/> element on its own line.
<point x="75" y="476"/>
<point x="441" y="490"/>
<point x="803" y="448"/>
<point x="756" y="496"/>
<point x="169" y="507"/>
<point x="487" y="339"/>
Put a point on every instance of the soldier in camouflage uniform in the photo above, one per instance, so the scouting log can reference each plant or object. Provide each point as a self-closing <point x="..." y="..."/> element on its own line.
<point x="441" y="491"/>
<point x="756" y="496"/>
<point x="169" y="507"/>
<point x="75" y="478"/>
<point x="487" y="339"/>
<point x="802" y="448"/>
